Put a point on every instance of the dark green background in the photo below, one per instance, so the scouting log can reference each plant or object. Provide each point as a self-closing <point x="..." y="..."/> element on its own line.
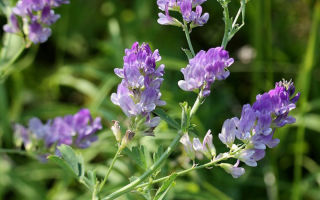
<point x="74" y="69"/>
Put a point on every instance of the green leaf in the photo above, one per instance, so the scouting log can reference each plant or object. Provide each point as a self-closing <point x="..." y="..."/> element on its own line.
<point x="70" y="161"/>
<point x="158" y="154"/>
<point x="171" y="122"/>
<point x="63" y="164"/>
<point x="185" y="117"/>
<point x="165" y="187"/>
<point x="156" y="157"/>
<point x="137" y="155"/>
<point x="13" y="46"/>
<point x="188" y="53"/>
<point x="75" y="161"/>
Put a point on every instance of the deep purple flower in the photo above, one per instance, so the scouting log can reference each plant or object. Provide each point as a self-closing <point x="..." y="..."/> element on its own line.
<point x="38" y="34"/>
<point x="138" y="94"/>
<point x="36" y="16"/>
<point x="77" y="130"/>
<point x="204" y="69"/>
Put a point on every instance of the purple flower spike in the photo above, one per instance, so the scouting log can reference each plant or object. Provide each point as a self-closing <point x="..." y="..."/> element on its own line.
<point x="76" y="130"/>
<point x="138" y="94"/>
<point x="258" y="123"/>
<point x="36" y="17"/>
<point x="204" y="69"/>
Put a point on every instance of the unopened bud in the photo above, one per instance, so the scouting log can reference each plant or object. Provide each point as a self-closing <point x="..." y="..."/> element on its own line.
<point x="116" y="130"/>
<point x="234" y="170"/>
<point x="185" y="140"/>
<point x="127" y="138"/>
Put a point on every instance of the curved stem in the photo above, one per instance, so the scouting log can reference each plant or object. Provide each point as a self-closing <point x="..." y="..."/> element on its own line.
<point x="186" y="31"/>
<point x="17" y="151"/>
<point x="110" y="168"/>
<point x="227" y="24"/>
<point x="185" y="171"/>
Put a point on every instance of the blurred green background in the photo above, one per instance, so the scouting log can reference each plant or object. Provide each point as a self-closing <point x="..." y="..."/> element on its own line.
<point x="74" y="69"/>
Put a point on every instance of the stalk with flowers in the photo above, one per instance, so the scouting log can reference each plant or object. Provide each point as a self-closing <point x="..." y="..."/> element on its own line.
<point x="138" y="95"/>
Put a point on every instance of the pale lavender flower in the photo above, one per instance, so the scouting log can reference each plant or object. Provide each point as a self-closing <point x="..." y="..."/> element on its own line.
<point x="228" y="132"/>
<point x="206" y="147"/>
<point x="234" y="170"/>
<point x="138" y="94"/>
<point x="204" y="69"/>
<point x="185" y="140"/>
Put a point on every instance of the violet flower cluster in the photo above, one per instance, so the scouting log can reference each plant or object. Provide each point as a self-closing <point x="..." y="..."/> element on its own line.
<point x="255" y="129"/>
<point x="33" y="18"/>
<point x="76" y="130"/>
<point x="138" y="94"/>
<point x="258" y="123"/>
<point x="185" y="7"/>
<point x="204" y="69"/>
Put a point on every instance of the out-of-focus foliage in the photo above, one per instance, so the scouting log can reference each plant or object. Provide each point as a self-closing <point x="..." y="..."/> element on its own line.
<point x="74" y="69"/>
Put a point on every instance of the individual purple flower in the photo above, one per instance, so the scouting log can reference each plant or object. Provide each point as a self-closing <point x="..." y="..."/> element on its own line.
<point x="38" y="34"/>
<point x="35" y="16"/>
<point x="228" y="132"/>
<point x="13" y="26"/>
<point x="204" y="69"/>
<point x="77" y="130"/>
<point x="234" y="170"/>
<point x="138" y="94"/>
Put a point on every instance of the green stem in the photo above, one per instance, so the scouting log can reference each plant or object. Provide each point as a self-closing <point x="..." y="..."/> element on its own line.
<point x="196" y="104"/>
<point x="110" y="168"/>
<point x="185" y="171"/>
<point x="19" y="152"/>
<point x="186" y="31"/>
<point x="227" y="24"/>
<point x="154" y="167"/>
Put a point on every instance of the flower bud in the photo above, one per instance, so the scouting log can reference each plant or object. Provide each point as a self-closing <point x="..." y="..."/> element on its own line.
<point x="185" y="140"/>
<point x="116" y="130"/>
<point x="208" y="144"/>
<point x="127" y="138"/>
<point x="234" y="170"/>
